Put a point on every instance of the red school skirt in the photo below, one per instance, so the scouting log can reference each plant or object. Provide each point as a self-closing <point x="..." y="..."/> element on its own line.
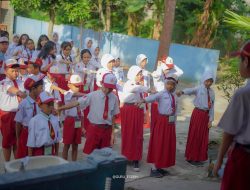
<point x="198" y="134"/>
<point x="162" y="143"/>
<point x="71" y="135"/>
<point x="132" y="119"/>
<point x="8" y="128"/>
<point x="154" y="114"/>
<point x="99" y="136"/>
<point x="22" y="149"/>
<point x="237" y="170"/>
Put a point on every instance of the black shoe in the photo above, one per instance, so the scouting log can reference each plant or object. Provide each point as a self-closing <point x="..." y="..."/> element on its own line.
<point x="155" y="173"/>
<point x="136" y="166"/>
<point x="195" y="163"/>
<point x="163" y="172"/>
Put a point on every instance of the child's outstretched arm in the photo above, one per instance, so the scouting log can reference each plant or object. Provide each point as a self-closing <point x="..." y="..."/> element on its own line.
<point x="187" y="91"/>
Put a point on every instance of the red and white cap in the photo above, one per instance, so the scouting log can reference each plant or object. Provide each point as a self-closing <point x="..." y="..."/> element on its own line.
<point x="109" y="80"/>
<point x="21" y="63"/>
<point x="4" y="39"/>
<point x="53" y="71"/>
<point x="244" y="52"/>
<point x="167" y="63"/>
<point x="45" y="98"/>
<point x="9" y="63"/>
<point x="133" y="71"/>
<point x="32" y="80"/>
<point x="106" y="58"/>
<point x="76" y="80"/>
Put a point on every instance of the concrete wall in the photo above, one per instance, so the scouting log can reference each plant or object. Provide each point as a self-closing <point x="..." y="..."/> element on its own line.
<point x="194" y="61"/>
<point x="7" y="16"/>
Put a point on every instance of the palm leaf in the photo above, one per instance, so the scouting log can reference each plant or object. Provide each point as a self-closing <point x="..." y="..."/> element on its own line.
<point x="236" y="21"/>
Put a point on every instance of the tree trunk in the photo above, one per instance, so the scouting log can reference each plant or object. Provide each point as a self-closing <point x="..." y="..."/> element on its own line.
<point x="166" y="34"/>
<point x="132" y="25"/>
<point x="52" y="15"/>
<point x="81" y="34"/>
<point x="101" y="15"/>
<point x="203" y="35"/>
<point x="157" y="29"/>
<point x="108" y="15"/>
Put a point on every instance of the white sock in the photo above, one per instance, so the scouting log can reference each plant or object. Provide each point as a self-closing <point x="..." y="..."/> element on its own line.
<point x="153" y="167"/>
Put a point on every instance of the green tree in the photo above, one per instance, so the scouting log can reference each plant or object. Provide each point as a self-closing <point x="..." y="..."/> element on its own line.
<point x="48" y="6"/>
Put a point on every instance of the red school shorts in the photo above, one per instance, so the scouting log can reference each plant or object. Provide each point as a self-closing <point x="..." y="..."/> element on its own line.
<point x="8" y="128"/>
<point x="71" y="135"/>
<point x="97" y="138"/>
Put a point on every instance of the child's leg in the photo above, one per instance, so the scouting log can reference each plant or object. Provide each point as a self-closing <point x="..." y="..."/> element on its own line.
<point x="65" y="151"/>
<point x="14" y="151"/>
<point x="7" y="154"/>
<point x="74" y="152"/>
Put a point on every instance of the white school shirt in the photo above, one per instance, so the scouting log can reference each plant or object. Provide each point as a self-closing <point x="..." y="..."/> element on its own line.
<point x="26" y="110"/>
<point x="47" y="61"/>
<point x="236" y="120"/>
<point x="132" y="93"/>
<point x="95" y="62"/>
<point x="62" y="67"/>
<point x="11" y="48"/>
<point x="146" y="76"/>
<point x="96" y="101"/>
<point x="68" y="97"/>
<point x="39" y="134"/>
<point x="20" y="48"/>
<point x="35" y="54"/>
<point x="159" y="76"/>
<point x="58" y="48"/>
<point x="9" y="102"/>
<point x="165" y="101"/>
<point x="2" y="59"/>
<point x="119" y="74"/>
<point x="83" y="70"/>
<point x="47" y="88"/>
<point x="201" y="99"/>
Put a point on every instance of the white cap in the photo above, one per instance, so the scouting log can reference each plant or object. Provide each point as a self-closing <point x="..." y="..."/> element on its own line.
<point x="207" y="75"/>
<point x="140" y="58"/>
<point x="75" y="79"/>
<point x="106" y="58"/>
<point x="99" y="76"/>
<point x="109" y="80"/>
<point x="54" y="70"/>
<point x="167" y="64"/>
<point x="10" y="63"/>
<point x="133" y="71"/>
<point x="4" y="39"/>
<point x="45" y="98"/>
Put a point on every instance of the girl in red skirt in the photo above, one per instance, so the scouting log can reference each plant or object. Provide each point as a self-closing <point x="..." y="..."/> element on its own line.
<point x="162" y="144"/>
<point x="132" y="116"/>
<point x="201" y="120"/>
<point x="236" y="125"/>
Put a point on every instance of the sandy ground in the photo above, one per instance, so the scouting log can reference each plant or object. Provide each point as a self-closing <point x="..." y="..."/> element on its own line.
<point x="183" y="175"/>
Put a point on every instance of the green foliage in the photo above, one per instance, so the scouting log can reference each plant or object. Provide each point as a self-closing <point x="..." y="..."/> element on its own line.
<point x="229" y="77"/>
<point x="236" y="21"/>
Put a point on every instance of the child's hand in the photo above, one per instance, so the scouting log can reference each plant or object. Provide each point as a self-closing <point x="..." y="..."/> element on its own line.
<point x="159" y="63"/>
<point x="152" y="91"/>
<point x="217" y="168"/>
<point x="210" y="124"/>
<point x="62" y="91"/>
<point x="179" y="93"/>
<point x="83" y="132"/>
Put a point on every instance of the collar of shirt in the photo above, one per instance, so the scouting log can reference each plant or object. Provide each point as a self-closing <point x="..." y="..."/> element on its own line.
<point x="45" y="116"/>
<point x="30" y="100"/>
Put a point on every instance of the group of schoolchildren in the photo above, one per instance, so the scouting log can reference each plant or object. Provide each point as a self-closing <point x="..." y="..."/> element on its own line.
<point x="46" y="89"/>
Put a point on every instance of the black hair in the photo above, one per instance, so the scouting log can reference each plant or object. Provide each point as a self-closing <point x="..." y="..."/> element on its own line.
<point x="38" y="83"/>
<point x="46" y="49"/>
<point x="20" y="39"/>
<point x="85" y="51"/>
<point x="39" y="46"/>
<point x="64" y="45"/>
<point x="4" y="33"/>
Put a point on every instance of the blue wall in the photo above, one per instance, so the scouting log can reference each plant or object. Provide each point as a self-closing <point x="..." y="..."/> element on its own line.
<point x="194" y="61"/>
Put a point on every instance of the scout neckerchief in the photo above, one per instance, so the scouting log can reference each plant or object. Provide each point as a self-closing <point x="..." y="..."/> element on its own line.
<point x="51" y="130"/>
<point x="70" y="59"/>
<point x="173" y="103"/>
<point x="209" y="103"/>
<point x="106" y="108"/>
<point x="16" y="85"/>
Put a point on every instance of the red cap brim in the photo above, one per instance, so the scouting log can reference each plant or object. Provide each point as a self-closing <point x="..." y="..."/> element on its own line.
<point x="109" y="85"/>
